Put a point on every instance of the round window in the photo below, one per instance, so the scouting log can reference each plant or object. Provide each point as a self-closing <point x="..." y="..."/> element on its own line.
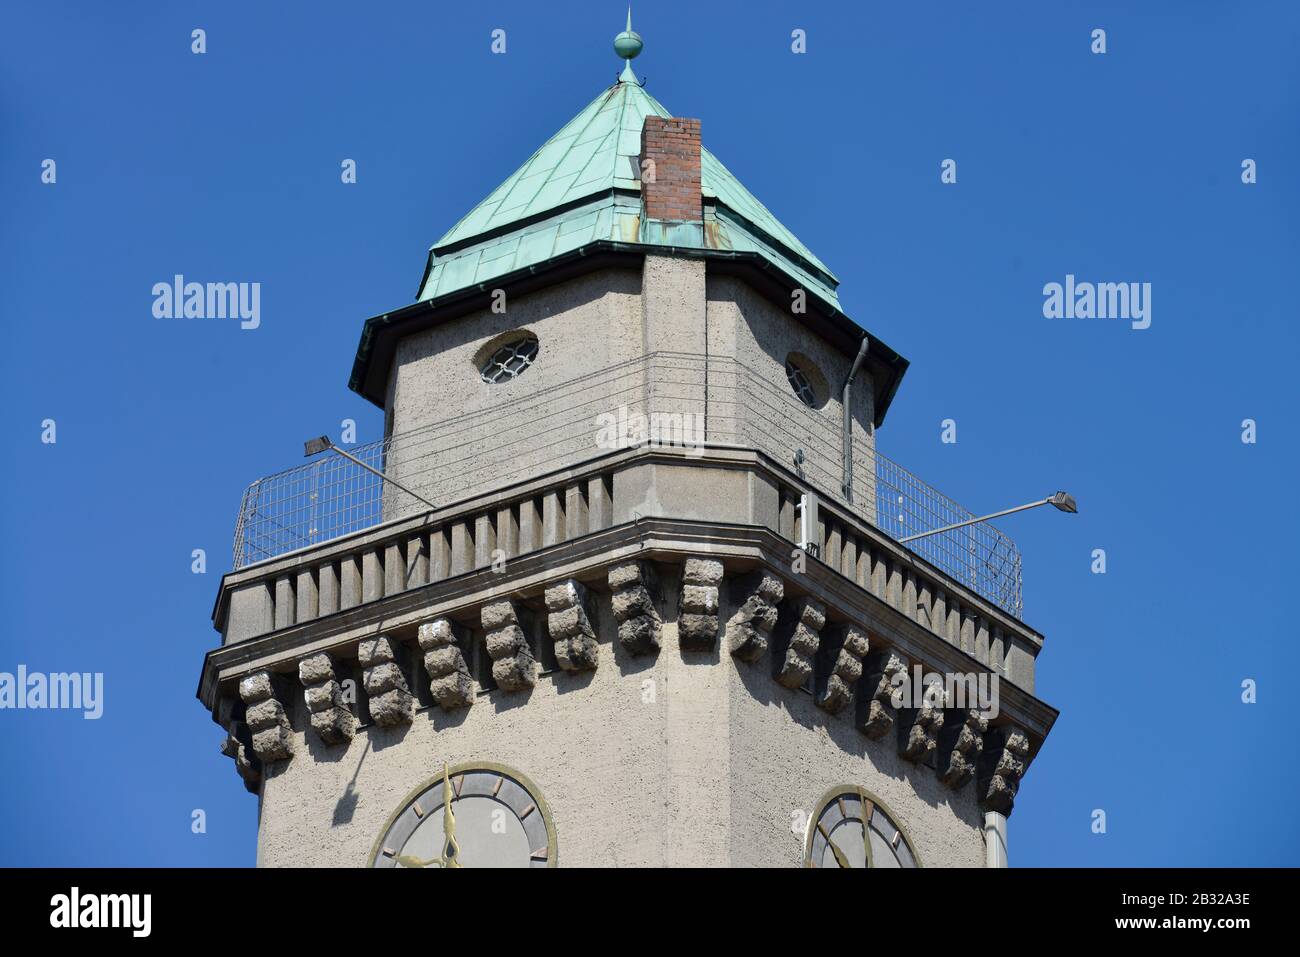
<point x="801" y="383"/>
<point x="509" y="361"/>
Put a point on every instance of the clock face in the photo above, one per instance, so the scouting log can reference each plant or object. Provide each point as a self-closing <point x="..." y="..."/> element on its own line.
<point x="497" y="819"/>
<point x="852" y="829"/>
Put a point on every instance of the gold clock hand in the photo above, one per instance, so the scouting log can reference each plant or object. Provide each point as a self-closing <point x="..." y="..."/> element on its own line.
<point x="406" y="860"/>
<point x="450" y="849"/>
<point x="840" y="859"/>
<point x="866" y="835"/>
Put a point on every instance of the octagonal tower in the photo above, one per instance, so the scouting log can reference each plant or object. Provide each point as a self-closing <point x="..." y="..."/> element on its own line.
<point x="629" y="590"/>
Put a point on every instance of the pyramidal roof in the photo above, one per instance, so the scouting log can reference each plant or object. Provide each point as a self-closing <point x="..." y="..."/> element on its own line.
<point x="595" y="152"/>
<point x="583" y="185"/>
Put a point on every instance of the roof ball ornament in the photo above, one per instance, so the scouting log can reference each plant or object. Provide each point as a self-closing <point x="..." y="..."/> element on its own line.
<point x="628" y="45"/>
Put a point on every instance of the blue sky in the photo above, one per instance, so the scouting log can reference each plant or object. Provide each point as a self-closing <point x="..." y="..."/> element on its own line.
<point x="1117" y="167"/>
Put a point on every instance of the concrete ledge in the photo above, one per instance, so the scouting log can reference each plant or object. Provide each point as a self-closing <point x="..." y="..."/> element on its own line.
<point x="587" y="560"/>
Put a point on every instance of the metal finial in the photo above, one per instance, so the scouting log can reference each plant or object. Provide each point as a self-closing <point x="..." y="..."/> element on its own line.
<point x="628" y="45"/>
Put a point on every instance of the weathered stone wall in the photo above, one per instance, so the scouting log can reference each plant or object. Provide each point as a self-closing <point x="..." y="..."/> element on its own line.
<point x="675" y="758"/>
<point x="761" y="336"/>
<point x="583" y="327"/>
<point x="585" y="324"/>
<point x="591" y="332"/>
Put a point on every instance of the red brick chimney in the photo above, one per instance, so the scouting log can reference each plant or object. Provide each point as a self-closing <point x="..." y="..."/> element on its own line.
<point x="670" y="185"/>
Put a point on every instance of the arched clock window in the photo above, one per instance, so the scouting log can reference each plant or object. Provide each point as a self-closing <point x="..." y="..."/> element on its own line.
<point x="470" y="815"/>
<point x="509" y="360"/>
<point x="853" y="829"/>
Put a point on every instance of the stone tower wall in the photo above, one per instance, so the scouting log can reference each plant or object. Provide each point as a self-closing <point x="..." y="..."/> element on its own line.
<point x="670" y="340"/>
<point x="681" y="758"/>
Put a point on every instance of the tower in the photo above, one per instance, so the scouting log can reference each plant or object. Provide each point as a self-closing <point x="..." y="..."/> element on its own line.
<point x="630" y="590"/>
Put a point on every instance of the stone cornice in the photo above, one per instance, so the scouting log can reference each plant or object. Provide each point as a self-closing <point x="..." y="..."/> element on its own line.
<point x="587" y="559"/>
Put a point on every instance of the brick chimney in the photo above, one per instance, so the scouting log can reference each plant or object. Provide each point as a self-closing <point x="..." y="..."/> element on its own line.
<point x="670" y="188"/>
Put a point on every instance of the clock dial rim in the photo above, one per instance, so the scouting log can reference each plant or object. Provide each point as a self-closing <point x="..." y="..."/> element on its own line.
<point x="853" y="790"/>
<point x="464" y="767"/>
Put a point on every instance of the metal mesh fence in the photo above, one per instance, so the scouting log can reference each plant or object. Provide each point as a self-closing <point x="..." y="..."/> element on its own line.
<point x="979" y="556"/>
<point x="664" y="398"/>
<point x="309" y="504"/>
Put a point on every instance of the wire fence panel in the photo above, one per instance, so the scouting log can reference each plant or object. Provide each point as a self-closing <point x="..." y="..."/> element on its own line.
<point x="309" y="504"/>
<point x="668" y="398"/>
<point x="979" y="556"/>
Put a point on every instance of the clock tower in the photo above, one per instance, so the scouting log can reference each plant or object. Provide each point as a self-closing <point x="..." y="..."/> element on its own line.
<point x="623" y="582"/>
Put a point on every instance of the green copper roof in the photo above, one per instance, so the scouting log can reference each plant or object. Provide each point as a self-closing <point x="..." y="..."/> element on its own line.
<point x="576" y="206"/>
<point x="582" y="186"/>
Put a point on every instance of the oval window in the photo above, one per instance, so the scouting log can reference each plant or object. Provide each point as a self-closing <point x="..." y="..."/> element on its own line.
<point x="509" y="361"/>
<point x="801" y="382"/>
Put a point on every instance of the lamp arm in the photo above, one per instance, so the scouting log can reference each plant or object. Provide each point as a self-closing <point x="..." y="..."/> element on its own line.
<point x="973" y="521"/>
<point x="356" y="461"/>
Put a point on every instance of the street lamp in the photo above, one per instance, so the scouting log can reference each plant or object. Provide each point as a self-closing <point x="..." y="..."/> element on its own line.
<point x="1063" y="501"/>
<point x="322" y="444"/>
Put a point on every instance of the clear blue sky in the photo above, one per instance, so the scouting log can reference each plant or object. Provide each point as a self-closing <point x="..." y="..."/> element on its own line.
<point x="1117" y="167"/>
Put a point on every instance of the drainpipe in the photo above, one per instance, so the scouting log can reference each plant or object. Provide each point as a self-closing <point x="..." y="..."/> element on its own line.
<point x="845" y="397"/>
<point x="995" y="839"/>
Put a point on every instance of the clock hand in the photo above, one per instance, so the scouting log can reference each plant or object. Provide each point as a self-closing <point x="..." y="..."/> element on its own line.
<point x="406" y="860"/>
<point x="866" y="835"/>
<point x="450" y="849"/>
<point x="840" y="859"/>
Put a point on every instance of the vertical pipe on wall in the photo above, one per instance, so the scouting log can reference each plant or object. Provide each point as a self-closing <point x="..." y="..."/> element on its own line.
<point x="995" y="839"/>
<point x="846" y="402"/>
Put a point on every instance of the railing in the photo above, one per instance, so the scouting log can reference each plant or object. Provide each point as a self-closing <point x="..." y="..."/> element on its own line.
<point x="979" y="556"/>
<point x="309" y="504"/>
<point x="715" y="401"/>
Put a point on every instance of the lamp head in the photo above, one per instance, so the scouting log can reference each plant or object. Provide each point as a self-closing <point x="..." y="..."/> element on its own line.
<point x="1065" y="502"/>
<point x="320" y="444"/>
